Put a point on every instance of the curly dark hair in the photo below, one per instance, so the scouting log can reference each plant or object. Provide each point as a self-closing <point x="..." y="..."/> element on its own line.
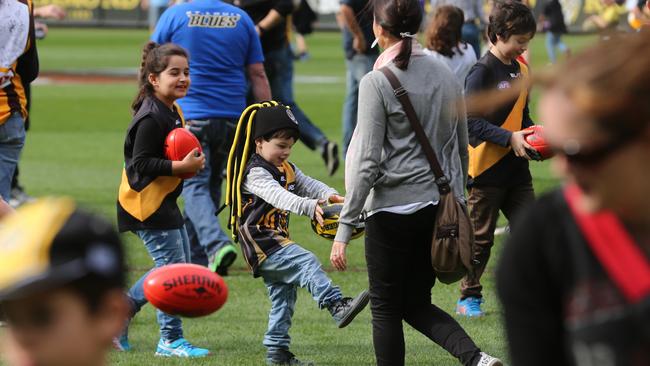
<point x="508" y="18"/>
<point x="444" y="31"/>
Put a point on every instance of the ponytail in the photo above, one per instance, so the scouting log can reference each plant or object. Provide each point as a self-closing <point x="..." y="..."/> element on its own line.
<point x="402" y="19"/>
<point x="155" y="59"/>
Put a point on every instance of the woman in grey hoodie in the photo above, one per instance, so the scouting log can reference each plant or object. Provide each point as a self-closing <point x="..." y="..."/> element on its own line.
<point x="389" y="182"/>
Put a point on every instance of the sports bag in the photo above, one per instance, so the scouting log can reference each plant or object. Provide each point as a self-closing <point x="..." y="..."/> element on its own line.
<point x="452" y="246"/>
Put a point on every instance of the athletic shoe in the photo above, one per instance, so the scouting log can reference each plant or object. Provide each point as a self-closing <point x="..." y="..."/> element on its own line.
<point x="470" y="307"/>
<point x="180" y="348"/>
<point x="121" y="342"/>
<point x="222" y="259"/>
<point x="284" y="357"/>
<point x="344" y="310"/>
<point x="18" y="197"/>
<point x="487" y="360"/>
<point x="330" y="155"/>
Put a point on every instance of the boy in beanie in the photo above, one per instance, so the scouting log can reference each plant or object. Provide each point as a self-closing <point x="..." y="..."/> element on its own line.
<point x="265" y="189"/>
<point x="61" y="285"/>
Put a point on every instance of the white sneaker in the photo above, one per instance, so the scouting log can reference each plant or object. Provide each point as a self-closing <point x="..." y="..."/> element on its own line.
<point x="487" y="360"/>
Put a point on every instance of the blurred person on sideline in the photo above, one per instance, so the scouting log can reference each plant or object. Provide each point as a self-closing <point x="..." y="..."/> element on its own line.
<point x="270" y="18"/>
<point x="356" y="22"/>
<point x="552" y="22"/>
<point x="303" y="20"/>
<point x="389" y="180"/>
<point x="606" y="19"/>
<point x="18" y="67"/>
<point x="226" y="60"/>
<point x="567" y="297"/>
<point x="52" y="11"/>
<point x="474" y="21"/>
<point x="61" y="286"/>
<point x="443" y="41"/>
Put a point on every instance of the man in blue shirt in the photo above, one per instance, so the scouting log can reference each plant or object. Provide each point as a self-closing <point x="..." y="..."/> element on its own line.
<point x="225" y="51"/>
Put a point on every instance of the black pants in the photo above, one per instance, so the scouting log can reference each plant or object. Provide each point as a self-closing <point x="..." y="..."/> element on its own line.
<point x="398" y="254"/>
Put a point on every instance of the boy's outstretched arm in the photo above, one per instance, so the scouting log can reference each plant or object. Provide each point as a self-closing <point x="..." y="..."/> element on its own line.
<point x="307" y="186"/>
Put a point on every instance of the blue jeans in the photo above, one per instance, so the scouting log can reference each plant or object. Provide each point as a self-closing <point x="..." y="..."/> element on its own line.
<point x="357" y="67"/>
<point x="202" y="193"/>
<point x="283" y="271"/>
<point x="12" y="140"/>
<point x="165" y="247"/>
<point x="554" y="40"/>
<point x="278" y="65"/>
<point x="470" y="35"/>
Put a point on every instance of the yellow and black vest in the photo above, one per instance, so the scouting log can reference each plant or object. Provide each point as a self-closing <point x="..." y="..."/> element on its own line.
<point x="487" y="154"/>
<point x="149" y="202"/>
<point x="263" y="229"/>
<point x="12" y="94"/>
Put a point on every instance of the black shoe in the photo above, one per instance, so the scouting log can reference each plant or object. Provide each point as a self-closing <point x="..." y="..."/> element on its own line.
<point x="284" y="357"/>
<point x="330" y="155"/>
<point x="222" y="259"/>
<point x="344" y="310"/>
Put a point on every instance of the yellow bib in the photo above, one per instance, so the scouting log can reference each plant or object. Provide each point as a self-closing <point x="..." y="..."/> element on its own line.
<point x="482" y="157"/>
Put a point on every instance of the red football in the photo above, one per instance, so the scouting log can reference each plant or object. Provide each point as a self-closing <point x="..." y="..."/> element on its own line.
<point x="185" y="289"/>
<point x="537" y="141"/>
<point x="178" y="144"/>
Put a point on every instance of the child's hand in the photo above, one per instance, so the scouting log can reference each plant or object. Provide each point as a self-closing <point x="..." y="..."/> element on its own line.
<point x="519" y="144"/>
<point x="335" y="198"/>
<point x="193" y="161"/>
<point x="318" y="213"/>
<point x="337" y="257"/>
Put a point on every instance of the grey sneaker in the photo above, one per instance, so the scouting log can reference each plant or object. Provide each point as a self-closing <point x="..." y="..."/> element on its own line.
<point x="284" y="357"/>
<point x="344" y="310"/>
<point x="487" y="360"/>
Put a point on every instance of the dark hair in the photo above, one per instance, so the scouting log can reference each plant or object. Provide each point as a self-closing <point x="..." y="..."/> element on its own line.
<point x="444" y="31"/>
<point x="285" y="133"/>
<point x="155" y="59"/>
<point x="399" y="16"/>
<point x="509" y="18"/>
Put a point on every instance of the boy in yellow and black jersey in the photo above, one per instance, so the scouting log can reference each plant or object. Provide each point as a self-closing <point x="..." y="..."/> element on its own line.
<point x="264" y="190"/>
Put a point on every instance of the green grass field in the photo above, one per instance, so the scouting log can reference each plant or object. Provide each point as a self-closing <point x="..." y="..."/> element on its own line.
<point x="74" y="148"/>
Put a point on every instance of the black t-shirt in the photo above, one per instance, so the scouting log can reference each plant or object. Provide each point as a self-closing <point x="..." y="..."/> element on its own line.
<point x="561" y="308"/>
<point x="487" y="74"/>
<point x="363" y="14"/>
<point x="276" y="37"/>
<point x="555" y="17"/>
<point x="144" y="160"/>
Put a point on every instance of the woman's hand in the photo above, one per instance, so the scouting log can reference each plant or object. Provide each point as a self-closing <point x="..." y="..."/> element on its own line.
<point x="335" y="198"/>
<point x="519" y="144"/>
<point x="337" y="257"/>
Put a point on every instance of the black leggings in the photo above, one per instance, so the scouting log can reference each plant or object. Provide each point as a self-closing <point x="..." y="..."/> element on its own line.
<point x="398" y="254"/>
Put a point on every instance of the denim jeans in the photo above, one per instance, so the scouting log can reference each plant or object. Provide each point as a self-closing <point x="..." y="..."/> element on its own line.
<point x="278" y="65"/>
<point x="470" y="35"/>
<point x="12" y="140"/>
<point x="357" y="67"/>
<point x="165" y="247"/>
<point x="202" y="193"/>
<point x="554" y="40"/>
<point x="283" y="271"/>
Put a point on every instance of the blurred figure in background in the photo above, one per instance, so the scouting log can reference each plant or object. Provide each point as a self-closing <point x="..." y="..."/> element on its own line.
<point x="303" y="20"/>
<point x="444" y="42"/>
<point x="552" y="22"/>
<point x="574" y="277"/>
<point x="474" y="20"/>
<point x="360" y="56"/>
<point x="154" y="9"/>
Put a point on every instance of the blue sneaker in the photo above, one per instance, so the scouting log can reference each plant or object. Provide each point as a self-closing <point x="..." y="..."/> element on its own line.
<point x="470" y="307"/>
<point x="121" y="343"/>
<point x="180" y="348"/>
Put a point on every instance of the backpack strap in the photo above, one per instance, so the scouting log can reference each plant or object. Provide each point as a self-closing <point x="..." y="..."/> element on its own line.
<point x="614" y="248"/>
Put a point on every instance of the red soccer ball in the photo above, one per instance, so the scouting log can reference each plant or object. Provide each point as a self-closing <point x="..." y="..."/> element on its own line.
<point x="538" y="142"/>
<point x="185" y="289"/>
<point x="178" y="144"/>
